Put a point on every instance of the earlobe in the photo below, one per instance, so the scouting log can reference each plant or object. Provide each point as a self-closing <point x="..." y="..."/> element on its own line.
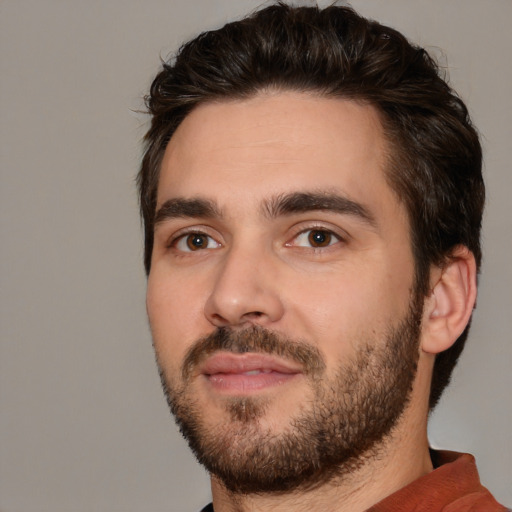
<point x="449" y="307"/>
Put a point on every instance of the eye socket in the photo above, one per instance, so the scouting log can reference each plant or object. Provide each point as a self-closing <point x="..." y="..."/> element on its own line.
<point x="192" y="242"/>
<point x="316" y="238"/>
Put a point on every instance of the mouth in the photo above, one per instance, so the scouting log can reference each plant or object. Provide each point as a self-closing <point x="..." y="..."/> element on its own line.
<point x="242" y="374"/>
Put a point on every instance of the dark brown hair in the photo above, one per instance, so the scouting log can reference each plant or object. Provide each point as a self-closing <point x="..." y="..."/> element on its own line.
<point x="435" y="162"/>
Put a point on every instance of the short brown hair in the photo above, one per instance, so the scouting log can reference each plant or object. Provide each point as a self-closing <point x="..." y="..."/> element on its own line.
<point x="435" y="165"/>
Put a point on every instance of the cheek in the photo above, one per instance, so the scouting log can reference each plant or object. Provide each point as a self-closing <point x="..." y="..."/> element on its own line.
<point x="176" y="315"/>
<point x="340" y="310"/>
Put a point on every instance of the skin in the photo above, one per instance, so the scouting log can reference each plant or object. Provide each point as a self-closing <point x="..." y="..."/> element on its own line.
<point x="257" y="268"/>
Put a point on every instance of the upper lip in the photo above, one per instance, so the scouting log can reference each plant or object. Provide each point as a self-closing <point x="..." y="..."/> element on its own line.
<point x="228" y="362"/>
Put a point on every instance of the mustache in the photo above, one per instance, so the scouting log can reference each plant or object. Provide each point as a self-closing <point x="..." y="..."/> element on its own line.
<point x="253" y="339"/>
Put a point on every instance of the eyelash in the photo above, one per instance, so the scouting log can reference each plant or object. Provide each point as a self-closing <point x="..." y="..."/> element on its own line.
<point x="332" y="238"/>
<point x="182" y="237"/>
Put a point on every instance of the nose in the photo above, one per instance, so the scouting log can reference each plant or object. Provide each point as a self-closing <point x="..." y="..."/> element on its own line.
<point x="245" y="291"/>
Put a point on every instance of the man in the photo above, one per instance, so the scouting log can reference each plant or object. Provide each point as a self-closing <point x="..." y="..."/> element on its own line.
<point x="312" y="200"/>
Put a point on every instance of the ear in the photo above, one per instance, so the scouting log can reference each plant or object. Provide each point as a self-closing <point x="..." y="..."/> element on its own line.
<point x="450" y="304"/>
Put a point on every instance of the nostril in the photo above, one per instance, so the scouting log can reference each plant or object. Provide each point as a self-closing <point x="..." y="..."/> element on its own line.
<point x="220" y="319"/>
<point x="254" y="314"/>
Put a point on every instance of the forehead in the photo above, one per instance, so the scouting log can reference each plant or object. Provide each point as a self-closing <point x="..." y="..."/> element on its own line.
<point x="240" y="151"/>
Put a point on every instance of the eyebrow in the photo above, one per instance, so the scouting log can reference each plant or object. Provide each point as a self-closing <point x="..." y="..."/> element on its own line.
<point x="182" y="208"/>
<point x="303" y="202"/>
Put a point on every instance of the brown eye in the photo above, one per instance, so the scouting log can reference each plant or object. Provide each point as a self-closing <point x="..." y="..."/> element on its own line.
<point x="315" y="239"/>
<point x="318" y="238"/>
<point x="193" y="242"/>
<point x="197" y="241"/>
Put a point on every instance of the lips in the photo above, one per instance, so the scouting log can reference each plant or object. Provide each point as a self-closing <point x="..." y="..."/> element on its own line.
<point x="245" y="373"/>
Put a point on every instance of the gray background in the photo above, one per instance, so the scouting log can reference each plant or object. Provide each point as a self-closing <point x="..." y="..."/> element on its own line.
<point x="83" y="424"/>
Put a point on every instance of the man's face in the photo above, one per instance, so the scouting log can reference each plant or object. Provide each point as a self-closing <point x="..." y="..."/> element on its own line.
<point x="280" y="291"/>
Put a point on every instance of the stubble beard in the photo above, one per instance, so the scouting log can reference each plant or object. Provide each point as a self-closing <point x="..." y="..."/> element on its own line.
<point x="339" y="429"/>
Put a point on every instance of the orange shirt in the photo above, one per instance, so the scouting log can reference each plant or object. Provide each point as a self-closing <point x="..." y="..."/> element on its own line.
<point x="454" y="486"/>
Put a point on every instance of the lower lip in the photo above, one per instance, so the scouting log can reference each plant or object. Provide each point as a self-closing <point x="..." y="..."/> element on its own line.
<point x="244" y="383"/>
